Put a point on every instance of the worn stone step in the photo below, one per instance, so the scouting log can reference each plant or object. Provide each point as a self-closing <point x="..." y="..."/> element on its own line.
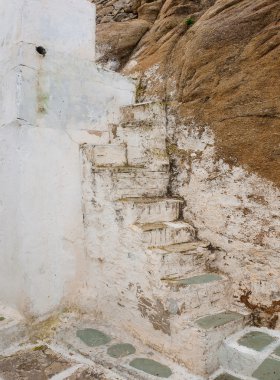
<point x="164" y="233"/>
<point x="145" y="136"/>
<point x="121" y="182"/>
<point x="148" y="210"/>
<point x="204" y="339"/>
<point x="177" y="260"/>
<point x="152" y="112"/>
<point x="252" y="352"/>
<point x="196" y="295"/>
<point x="109" y="155"/>
<point x="194" y="342"/>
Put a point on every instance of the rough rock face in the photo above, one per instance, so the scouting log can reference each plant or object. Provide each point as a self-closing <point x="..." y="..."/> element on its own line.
<point x="218" y="59"/>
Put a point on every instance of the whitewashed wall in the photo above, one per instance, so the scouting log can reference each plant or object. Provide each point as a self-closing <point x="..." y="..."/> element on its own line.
<point x="49" y="105"/>
<point x="237" y="211"/>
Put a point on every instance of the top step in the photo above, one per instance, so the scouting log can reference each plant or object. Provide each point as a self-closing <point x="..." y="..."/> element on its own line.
<point x="144" y="114"/>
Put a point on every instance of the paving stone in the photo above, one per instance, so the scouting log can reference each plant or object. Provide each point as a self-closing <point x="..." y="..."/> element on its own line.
<point x="196" y="280"/>
<point x="40" y="363"/>
<point x="92" y="337"/>
<point x="151" y="367"/>
<point x="216" y="320"/>
<point x="121" y="350"/>
<point x="226" y="376"/>
<point x="268" y="370"/>
<point x="256" y="340"/>
<point x="277" y="351"/>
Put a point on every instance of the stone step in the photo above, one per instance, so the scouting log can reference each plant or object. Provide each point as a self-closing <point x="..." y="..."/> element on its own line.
<point x="192" y="343"/>
<point x="196" y="295"/>
<point x="109" y="155"/>
<point x="253" y="352"/>
<point x="177" y="260"/>
<point x="151" y="112"/>
<point x="145" y="137"/>
<point x="205" y="339"/>
<point x="164" y="233"/>
<point x="113" y="183"/>
<point x="148" y="210"/>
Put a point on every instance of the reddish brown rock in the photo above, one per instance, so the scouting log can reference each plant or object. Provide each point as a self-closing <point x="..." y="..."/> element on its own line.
<point x="224" y="70"/>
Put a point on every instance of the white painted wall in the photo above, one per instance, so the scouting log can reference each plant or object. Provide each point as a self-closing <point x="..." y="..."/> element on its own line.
<point x="64" y="26"/>
<point x="41" y="217"/>
<point x="59" y="91"/>
<point x="235" y="210"/>
<point x="49" y="106"/>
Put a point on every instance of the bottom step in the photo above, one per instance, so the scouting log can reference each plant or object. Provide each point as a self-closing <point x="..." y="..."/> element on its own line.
<point x="193" y="344"/>
<point x="253" y="352"/>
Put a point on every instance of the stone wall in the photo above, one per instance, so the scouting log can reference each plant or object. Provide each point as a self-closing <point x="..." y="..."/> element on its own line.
<point x="238" y="212"/>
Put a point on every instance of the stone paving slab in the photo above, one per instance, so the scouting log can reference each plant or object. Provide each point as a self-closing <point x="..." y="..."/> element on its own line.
<point x="39" y="363"/>
<point x="198" y="280"/>
<point x="256" y="340"/>
<point x="92" y="337"/>
<point x="151" y="367"/>
<point x="226" y="376"/>
<point x="121" y="350"/>
<point x="277" y="351"/>
<point x="217" y="320"/>
<point x="268" y="370"/>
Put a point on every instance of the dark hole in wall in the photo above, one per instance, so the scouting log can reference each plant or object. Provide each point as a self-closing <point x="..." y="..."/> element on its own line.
<point x="41" y="50"/>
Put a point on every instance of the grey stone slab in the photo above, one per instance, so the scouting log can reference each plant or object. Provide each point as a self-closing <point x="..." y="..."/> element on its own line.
<point x="197" y="280"/>
<point x="256" y="340"/>
<point x="226" y="376"/>
<point x="121" y="350"/>
<point x="216" y="320"/>
<point x="151" y="367"/>
<point x="277" y="351"/>
<point x="268" y="370"/>
<point x="92" y="337"/>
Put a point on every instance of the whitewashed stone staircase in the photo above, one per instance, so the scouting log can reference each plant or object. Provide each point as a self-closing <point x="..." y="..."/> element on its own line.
<point x="181" y="308"/>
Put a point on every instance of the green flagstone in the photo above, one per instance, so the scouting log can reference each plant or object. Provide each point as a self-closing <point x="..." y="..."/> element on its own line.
<point x="268" y="370"/>
<point x="226" y="376"/>
<point x="196" y="280"/>
<point x="121" y="350"/>
<point x="257" y="340"/>
<point x="277" y="351"/>
<point x="151" y="367"/>
<point x="216" y="320"/>
<point x="92" y="337"/>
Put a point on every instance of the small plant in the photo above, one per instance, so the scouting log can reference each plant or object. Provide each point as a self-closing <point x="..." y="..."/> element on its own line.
<point x="2" y="319"/>
<point x="40" y="348"/>
<point x="189" y="21"/>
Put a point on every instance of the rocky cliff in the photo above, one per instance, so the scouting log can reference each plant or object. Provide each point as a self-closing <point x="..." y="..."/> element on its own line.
<point x="218" y="62"/>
